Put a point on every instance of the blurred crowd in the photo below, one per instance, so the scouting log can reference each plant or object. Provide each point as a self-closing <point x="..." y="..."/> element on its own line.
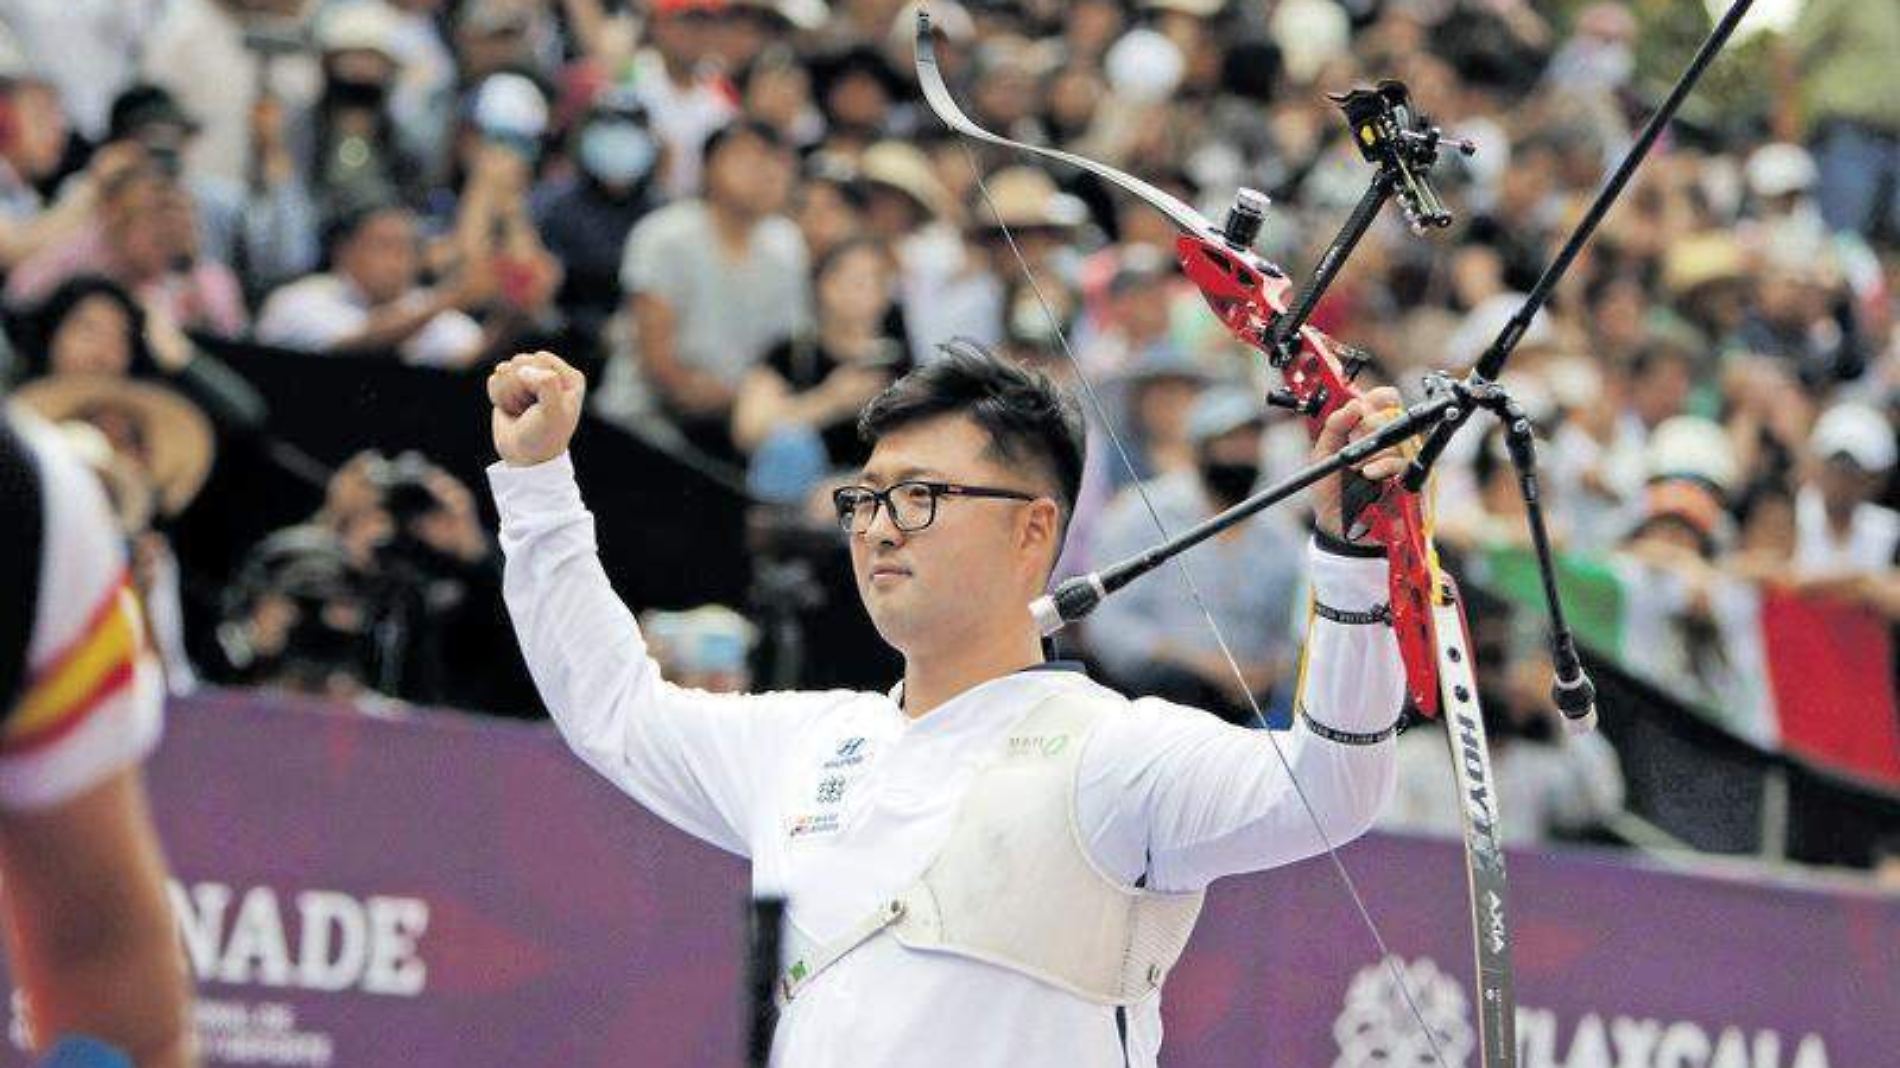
<point x="739" y="216"/>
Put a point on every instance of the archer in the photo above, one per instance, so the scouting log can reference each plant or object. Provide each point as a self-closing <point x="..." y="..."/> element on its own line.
<point x="998" y="861"/>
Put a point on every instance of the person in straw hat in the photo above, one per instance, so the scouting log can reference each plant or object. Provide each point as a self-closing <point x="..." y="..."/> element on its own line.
<point x="152" y="450"/>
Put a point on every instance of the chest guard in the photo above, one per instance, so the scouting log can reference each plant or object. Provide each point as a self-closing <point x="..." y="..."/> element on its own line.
<point x="1014" y="887"/>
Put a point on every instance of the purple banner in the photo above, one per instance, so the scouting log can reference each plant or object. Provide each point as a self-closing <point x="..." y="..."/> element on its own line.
<point x="441" y="891"/>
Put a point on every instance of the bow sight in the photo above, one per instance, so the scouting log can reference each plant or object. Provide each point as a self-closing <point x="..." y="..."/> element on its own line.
<point x="1403" y="144"/>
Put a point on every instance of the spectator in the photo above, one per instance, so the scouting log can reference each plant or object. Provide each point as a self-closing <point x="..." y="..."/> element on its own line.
<point x="687" y="101"/>
<point x="855" y="89"/>
<point x="268" y="227"/>
<point x="353" y="151"/>
<point x="1556" y="784"/>
<point x="92" y="326"/>
<point x="1150" y="638"/>
<point x="830" y="203"/>
<point x="297" y="619"/>
<point x="370" y="300"/>
<point x="1851" y="93"/>
<point x="94" y="45"/>
<point x="1135" y="328"/>
<point x="1781" y="179"/>
<point x="906" y="205"/>
<point x="712" y="282"/>
<point x="146" y="239"/>
<point x="810" y="387"/>
<point x="369" y="593"/>
<point x="153" y="450"/>
<point x="1841" y="532"/>
<point x="960" y="292"/>
<point x="32" y="142"/>
<point x="492" y="227"/>
<point x="1767" y="532"/>
<point x="1707" y="278"/>
<point x="422" y="102"/>
<point x="263" y="63"/>
<point x="498" y="36"/>
<point x="1801" y="314"/>
<point x="706" y="648"/>
<point x="1156" y="399"/>
<point x="584" y="219"/>
<point x="775" y="88"/>
<point x="1690" y="625"/>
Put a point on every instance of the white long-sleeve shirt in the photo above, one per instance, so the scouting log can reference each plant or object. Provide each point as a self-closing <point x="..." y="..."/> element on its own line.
<point x="841" y="801"/>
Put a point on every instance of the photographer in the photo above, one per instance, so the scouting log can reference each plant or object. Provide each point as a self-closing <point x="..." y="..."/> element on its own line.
<point x="490" y="227"/>
<point x="270" y="231"/>
<point x="368" y="594"/>
<point x="145" y="237"/>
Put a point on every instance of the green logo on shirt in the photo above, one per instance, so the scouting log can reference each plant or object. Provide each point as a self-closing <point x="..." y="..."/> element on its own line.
<point x="1045" y="745"/>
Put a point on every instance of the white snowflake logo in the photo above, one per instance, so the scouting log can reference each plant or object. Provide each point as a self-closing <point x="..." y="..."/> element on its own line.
<point x="1377" y="1028"/>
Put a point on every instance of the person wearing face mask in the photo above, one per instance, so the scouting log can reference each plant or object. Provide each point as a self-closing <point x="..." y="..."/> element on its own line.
<point x="353" y="151"/>
<point x="584" y="218"/>
<point x="1249" y="576"/>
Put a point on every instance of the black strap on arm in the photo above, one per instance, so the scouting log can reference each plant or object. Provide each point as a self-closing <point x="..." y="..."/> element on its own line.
<point x="22" y="534"/>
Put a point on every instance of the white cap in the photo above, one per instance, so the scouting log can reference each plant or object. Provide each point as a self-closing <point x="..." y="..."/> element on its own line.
<point x="1778" y="169"/>
<point x="1857" y="432"/>
<point x="1311" y="34"/>
<point x="1143" y="67"/>
<point x="362" y="26"/>
<point x="1690" y="446"/>
<point x="511" y="105"/>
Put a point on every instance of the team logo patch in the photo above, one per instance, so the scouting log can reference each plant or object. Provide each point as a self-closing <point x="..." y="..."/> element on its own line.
<point x="814" y="824"/>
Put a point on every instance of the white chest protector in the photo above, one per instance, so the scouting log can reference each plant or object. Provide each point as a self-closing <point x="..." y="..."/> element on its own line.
<point x="1013" y="885"/>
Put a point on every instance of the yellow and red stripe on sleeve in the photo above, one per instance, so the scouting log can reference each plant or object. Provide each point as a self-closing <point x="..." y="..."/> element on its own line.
<point x="100" y="662"/>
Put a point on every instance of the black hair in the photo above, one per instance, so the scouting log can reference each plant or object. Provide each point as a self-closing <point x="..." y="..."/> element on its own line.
<point x="351" y="216"/>
<point x="34" y="332"/>
<point x="835" y="255"/>
<point x="1759" y="493"/>
<point x="1027" y="418"/>
<point x="758" y="128"/>
<point x="821" y="168"/>
<point x="1658" y="350"/>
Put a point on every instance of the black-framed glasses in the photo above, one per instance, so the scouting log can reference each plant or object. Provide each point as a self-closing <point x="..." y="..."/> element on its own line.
<point x="912" y="503"/>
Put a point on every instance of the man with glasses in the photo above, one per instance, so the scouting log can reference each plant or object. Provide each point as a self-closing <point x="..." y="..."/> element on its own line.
<point x="996" y="862"/>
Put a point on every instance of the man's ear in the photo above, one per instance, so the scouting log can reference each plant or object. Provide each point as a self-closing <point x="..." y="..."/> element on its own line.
<point x="1042" y="527"/>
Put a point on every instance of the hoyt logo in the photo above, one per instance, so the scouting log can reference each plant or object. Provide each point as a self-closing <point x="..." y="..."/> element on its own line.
<point x="1376" y="1028"/>
<point x="1478" y="794"/>
<point x="319" y="940"/>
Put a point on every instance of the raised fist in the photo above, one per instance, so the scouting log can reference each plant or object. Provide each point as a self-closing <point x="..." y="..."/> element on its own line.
<point x="537" y="399"/>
